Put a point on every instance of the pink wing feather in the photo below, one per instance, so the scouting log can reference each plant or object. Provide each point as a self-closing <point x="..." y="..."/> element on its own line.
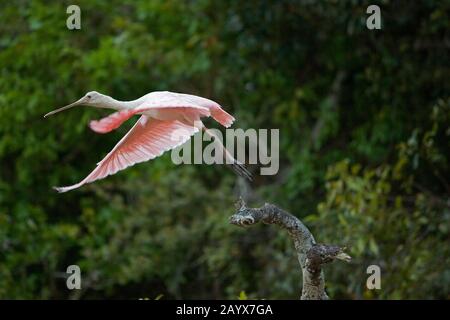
<point x="111" y="122"/>
<point x="170" y="104"/>
<point x="222" y="117"/>
<point x="147" y="139"/>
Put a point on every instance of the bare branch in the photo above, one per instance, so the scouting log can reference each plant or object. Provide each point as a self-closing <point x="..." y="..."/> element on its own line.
<point x="311" y="256"/>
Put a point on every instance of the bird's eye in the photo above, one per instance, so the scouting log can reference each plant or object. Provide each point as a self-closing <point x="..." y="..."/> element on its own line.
<point x="89" y="96"/>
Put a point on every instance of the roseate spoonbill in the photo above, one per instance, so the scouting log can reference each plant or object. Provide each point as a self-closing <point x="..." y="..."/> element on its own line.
<point x="162" y="114"/>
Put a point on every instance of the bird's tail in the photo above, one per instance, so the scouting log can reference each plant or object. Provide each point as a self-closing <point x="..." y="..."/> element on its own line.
<point x="221" y="116"/>
<point x="230" y="161"/>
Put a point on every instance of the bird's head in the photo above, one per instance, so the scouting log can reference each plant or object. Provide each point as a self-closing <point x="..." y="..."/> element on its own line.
<point x="92" y="98"/>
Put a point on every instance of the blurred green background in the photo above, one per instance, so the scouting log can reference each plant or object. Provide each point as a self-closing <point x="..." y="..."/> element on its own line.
<point x="364" y="159"/>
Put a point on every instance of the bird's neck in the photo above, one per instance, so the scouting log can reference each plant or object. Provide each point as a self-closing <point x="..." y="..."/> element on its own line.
<point x="112" y="103"/>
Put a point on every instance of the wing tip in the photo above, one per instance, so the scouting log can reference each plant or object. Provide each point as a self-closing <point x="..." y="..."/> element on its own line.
<point x="96" y="126"/>
<point x="63" y="189"/>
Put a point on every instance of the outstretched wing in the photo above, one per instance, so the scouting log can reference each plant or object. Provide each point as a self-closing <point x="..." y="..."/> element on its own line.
<point x="147" y="139"/>
<point x="113" y="121"/>
<point x="169" y="102"/>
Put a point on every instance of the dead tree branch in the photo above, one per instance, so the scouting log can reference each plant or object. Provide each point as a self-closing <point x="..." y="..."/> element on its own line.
<point x="311" y="255"/>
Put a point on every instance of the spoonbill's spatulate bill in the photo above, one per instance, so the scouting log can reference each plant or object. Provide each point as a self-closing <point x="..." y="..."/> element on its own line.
<point x="164" y="115"/>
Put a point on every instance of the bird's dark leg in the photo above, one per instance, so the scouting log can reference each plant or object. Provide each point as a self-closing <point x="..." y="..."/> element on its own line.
<point x="235" y="165"/>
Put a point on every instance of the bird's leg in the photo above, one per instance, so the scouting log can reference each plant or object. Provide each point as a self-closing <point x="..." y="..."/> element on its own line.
<point x="234" y="164"/>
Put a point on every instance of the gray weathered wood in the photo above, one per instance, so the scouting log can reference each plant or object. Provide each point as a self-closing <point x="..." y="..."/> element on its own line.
<point x="311" y="255"/>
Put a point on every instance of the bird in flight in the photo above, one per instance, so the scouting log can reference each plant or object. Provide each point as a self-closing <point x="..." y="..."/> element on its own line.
<point x="164" y="115"/>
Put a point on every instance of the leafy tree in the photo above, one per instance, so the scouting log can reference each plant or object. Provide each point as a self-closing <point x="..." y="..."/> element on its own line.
<point x="363" y="118"/>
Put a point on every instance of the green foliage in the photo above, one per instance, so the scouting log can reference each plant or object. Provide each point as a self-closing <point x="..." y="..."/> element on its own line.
<point x="242" y="296"/>
<point x="405" y="224"/>
<point x="364" y="124"/>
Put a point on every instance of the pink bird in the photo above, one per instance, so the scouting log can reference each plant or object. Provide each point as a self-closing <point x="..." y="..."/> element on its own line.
<point x="163" y="115"/>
